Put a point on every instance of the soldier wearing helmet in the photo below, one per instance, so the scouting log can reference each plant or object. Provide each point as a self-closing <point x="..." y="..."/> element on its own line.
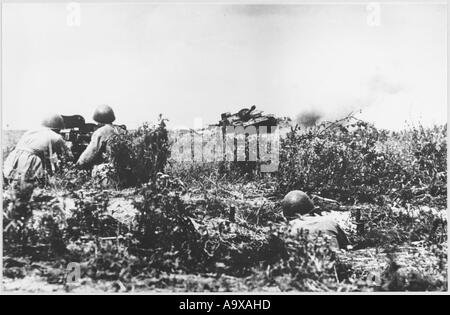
<point x="34" y="157"/>
<point x="298" y="208"/>
<point x="95" y="153"/>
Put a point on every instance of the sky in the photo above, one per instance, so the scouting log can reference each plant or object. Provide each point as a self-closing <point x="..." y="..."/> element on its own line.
<point x="196" y="61"/>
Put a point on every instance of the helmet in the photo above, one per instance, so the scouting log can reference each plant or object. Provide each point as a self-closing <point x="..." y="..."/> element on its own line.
<point x="104" y="114"/>
<point x="296" y="202"/>
<point x="54" y="121"/>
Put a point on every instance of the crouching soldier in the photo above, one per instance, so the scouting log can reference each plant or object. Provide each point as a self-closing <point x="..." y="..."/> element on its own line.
<point x="37" y="153"/>
<point x="96" y="153"/>
<point x="298" y="208"/>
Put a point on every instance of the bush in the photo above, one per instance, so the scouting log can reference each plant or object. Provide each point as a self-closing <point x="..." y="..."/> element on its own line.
<point x="32" y="226"/>
<point x="384" y="227"/>
<point x="137" y="156"/>
<point x="396" y="279"/>
<point x="164" y="230"/>
<point x="415" y="165"/>
<point x="352" y="161"/>
<point x="302" y="263"/>
<point x="90" y="218"/>
<point x="70" y="178"/>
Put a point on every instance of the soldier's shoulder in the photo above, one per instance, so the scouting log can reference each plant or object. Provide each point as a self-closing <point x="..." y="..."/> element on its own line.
<point x="320" y="222"/>
<point x="105" y="131"/>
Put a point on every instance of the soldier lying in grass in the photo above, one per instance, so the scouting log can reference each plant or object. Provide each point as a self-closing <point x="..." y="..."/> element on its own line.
<point x="298" y="208"/>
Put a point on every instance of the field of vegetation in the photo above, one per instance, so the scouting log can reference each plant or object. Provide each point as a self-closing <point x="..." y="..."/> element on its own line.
<point x="172" y="226"/>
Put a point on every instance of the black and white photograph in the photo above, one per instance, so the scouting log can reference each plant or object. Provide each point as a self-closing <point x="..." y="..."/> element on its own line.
<point x="224" y="148"/>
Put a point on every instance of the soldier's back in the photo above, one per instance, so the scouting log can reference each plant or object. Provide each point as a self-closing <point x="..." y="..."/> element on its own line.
<point x="323" y="225"/>
<point x="39" y="140"/>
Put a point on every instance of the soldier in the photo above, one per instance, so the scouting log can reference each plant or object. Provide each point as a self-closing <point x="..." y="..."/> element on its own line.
<point x="95" y="153"/>
<point x="33" y="158"/>
<point x="298" y="208"/>
<point x="321" y="225"/>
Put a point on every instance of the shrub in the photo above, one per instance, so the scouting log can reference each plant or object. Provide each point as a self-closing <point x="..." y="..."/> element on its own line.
<point x="137" y="156"/>
<point x="17" y="212"/>
<point x="70" y="178"/>
<point x="90" y="218"/>
<point x="32" y="226"/>
<point x="382" y="226"/>
<point x="300" y="262"/>
<point x="164" y="230"/>
<point x="398" y="278"/>
<point x="415" y="165"/>
<point x="352" y="161"/>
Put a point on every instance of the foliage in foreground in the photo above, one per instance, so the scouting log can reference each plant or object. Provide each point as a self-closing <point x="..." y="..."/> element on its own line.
<point x="167" y="238"/>
<point x="354" y="163"/>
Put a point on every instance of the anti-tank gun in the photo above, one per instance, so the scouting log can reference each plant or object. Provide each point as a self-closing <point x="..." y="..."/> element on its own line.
<point x="78" y="133"/>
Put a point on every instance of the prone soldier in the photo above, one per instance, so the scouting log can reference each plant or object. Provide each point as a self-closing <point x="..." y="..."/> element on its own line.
<point x="298" y="209"/>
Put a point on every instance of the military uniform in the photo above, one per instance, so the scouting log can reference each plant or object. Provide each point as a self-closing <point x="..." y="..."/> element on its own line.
<point x="323" y="225"/>
<point x="95" y="154"/>
<point x="33" y="156"/>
